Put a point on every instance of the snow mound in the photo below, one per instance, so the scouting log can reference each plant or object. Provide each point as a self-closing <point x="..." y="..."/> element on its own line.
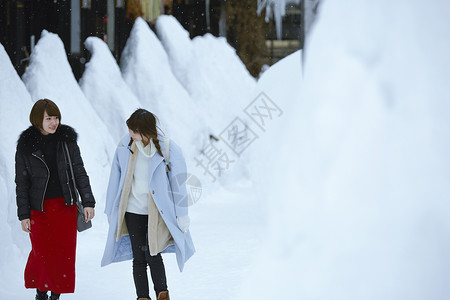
<point x="103" y="85"/>
<point x="15" y="104"/>
<point x="146" y="70"/>
<point x="276" y="91"/>
<point x="210" y="70"/>
<point x="14" y="107"/>
<point x="361" y="209"/>
<point x="178" y="45"/>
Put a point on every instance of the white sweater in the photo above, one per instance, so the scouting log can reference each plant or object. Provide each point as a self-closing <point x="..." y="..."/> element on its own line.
<point x="138" y="201"/>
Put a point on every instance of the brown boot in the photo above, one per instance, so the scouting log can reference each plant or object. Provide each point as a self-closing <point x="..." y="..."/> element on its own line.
<point x="164" y="296"/>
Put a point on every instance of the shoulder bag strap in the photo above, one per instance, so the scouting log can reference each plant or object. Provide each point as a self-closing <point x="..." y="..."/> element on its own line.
<point x="71" y="172"/>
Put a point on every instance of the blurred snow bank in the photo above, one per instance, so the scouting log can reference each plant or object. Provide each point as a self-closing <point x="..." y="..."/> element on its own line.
<point x="359" y="191"/>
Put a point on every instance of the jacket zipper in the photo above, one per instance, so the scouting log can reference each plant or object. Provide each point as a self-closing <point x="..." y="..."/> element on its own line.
<point x="46" y="183"/>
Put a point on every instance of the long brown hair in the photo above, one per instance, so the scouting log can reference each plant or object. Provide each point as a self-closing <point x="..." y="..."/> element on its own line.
<point x="144" y="122"/>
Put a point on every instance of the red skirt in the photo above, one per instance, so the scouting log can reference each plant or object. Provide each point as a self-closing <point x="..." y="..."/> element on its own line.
<point x="51" y="263"/>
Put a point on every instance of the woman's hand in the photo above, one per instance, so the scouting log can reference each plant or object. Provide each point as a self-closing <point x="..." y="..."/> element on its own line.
<point x="26" y="225"/>
<point x="89" y="213"/>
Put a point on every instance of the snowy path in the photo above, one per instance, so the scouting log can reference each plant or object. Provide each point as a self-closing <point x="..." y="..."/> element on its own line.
<point x="226" y="228"/>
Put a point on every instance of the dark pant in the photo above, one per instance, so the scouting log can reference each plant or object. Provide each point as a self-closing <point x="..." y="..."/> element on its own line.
<point x="138" y="228"/>
<point x="43" y="295"/>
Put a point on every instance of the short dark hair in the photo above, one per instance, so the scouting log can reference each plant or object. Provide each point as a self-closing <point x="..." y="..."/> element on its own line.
<point x="39" y="108"/>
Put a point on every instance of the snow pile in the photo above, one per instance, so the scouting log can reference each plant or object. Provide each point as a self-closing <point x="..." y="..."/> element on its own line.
<point x="49" y="76"/>
<point x="360" y="211"/>
<point x="178" y="46"/>
<point x="15" y="102"/>
<point x="209" y="70"/>
<point x="103" y="85"/>
<point x="15" y="107"/>
<point x="146" y="70"/>
<point x="277" y="90"/>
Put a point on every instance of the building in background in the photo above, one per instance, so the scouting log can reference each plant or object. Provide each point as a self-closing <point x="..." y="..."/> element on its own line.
<point x="22" y="21"/>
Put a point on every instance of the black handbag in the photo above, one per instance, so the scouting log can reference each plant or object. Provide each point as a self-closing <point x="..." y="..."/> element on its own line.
<point x="82" y="225"/>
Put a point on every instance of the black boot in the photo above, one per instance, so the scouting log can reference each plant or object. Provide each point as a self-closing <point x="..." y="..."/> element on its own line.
<point x="41" y="295"/>
<point x="54" y="296"/>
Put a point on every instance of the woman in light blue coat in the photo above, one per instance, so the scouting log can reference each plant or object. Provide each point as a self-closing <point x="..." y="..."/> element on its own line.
<point x="147" y="201"/>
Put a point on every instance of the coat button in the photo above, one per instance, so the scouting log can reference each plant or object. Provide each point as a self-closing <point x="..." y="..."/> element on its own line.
<point x="153" y="192"/>
<point x="162" y="212"/>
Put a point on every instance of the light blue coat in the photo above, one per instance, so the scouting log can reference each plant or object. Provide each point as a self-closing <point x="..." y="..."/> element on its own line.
<point x="169" y="209"/>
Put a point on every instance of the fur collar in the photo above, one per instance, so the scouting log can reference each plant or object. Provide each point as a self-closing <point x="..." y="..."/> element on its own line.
<point x="31" y="139"/>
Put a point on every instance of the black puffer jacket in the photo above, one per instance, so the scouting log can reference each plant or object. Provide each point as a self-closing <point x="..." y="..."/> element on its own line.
<point x="32" y="172"/>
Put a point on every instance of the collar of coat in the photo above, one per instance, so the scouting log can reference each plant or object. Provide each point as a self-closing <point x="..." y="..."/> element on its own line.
<point x="31" y="139"/>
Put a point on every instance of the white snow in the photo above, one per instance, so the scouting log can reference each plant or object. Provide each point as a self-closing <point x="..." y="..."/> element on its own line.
<point x="359" y="192"/>
<point x="209" y="70"/>
<point x="15" y="105"/>
<point x="146" y="70"/>
<point x="221" y="87"/>
<point x="103" y="85"/>
<point x="345" y="193"/>
<point x="104" y="98"/>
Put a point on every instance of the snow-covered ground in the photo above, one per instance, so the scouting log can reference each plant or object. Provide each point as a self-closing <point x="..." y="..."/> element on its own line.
<point x="338" y="185"/>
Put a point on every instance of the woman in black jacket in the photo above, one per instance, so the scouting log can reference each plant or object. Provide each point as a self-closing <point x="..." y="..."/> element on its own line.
<point x="46" y="199"/>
